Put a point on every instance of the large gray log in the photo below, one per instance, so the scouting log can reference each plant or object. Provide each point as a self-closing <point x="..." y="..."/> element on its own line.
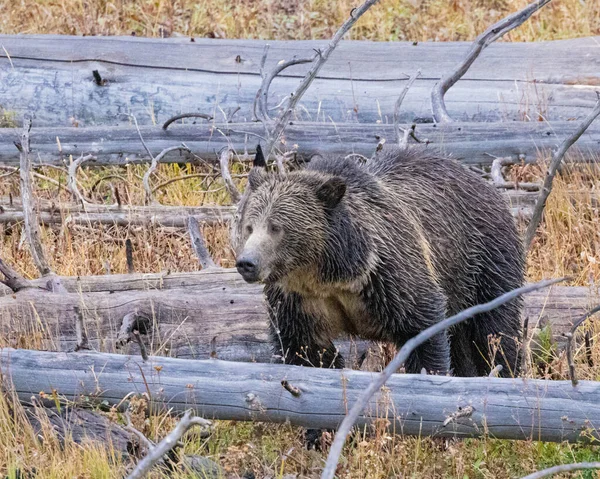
<point x="473" y="143"/>
<point x="51" y="77"/>
<point x="414" y="404"/>
<point x="196" y="315"/>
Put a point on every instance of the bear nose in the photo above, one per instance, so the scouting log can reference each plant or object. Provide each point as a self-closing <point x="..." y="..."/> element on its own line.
<point x="247" y="267"/>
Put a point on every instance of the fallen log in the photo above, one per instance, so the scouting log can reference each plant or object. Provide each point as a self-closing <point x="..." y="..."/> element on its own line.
<point x="472" y="143"/>
<point x="92" y="81"/>
<point x="169" y="216"/>
<point x="418" y="405"/>
<point x="211" y="313"/>
<point x="520" y="203"/>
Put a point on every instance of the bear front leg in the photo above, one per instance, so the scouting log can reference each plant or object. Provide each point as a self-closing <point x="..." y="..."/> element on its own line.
<point x="297" y="336"/>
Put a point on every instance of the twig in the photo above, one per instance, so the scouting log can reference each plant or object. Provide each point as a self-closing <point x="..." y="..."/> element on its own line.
<point x="525" y="347"/>
<point x="199" y="245"/>
<point x="193" y="175"/>
<point x="140" y="435"/>
<point x="438" y="107"/>
<point x="146" y="180"/>
<point x="32" y="228"/>
<point x="403" y="139"/>
<point x="224" y="158"/>
<point x="72" y="178"/>
<point x="578" y="466"/>
<point x="402" y="356"/>
<point x="13" y="279"/>
<point x="588" y="349"/>
<point x="137" y="127"/>
<point x="185" y="115"/>
<point x="500" y="182"/>
<point x="129" y="256"/>
<point x="318" y="60"/>
<point x="557" y="157"/>
<point x="494" y="372"/>
<point x="169" y="442"/>
<point x="571" y="347"/>
<point x="138" y="339"/>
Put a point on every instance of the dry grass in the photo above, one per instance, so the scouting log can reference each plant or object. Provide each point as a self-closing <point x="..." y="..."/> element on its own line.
<point x="414" y="20"/>
<point x="568" y="241"/>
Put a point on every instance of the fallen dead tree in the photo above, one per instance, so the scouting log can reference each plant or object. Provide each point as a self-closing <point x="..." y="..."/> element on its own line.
<point x="316" y="398"/>
<point x="520" y="202"/>
<point x="67" y="80"/>
<point x="472" y="143"/>
<point x="211" y="313"/>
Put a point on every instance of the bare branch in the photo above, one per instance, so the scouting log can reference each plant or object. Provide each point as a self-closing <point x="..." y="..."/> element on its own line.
<point x="318" y="61"/>
<point x="497" y="30"/>
<point x="32" y="228"/>
<point x="13" y="279"/>
<point x="224" y="158"/>
<point x="72" y="178"/>
<point x="199" y="245"/>
<point x="185" y="115"/>
<point x="578" y="466"/>
<point x="402" y="356"/>
<point x="157" y="453"/>
<point x="500" y="182"/>
<point x="261" y="108"/>
<point x="146" y="180"/>
<point x="557" y="157"/>
<point x="403" y="139"/>
<point x="571" y="347"/>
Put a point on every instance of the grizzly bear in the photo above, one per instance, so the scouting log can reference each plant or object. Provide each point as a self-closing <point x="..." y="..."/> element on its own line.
<point x="382" y="250"/>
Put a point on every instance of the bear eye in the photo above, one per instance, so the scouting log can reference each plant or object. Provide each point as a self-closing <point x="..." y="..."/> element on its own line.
<point x="249" y="229"/>
<point x="274" y="228"/>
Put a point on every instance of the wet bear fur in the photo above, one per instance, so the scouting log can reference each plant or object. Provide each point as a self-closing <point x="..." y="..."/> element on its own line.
<point x="381" y="251"/>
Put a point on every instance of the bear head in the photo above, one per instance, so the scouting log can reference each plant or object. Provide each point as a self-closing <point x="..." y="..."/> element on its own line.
<point x="284" y="225"/>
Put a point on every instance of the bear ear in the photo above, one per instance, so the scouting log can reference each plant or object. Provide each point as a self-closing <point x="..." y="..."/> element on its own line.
<point x="331" y="191"/>
<point x="258" y="175"/>
<point x="259" y="158"/>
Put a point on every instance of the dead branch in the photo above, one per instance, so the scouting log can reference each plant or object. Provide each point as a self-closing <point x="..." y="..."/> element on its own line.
<point x="578" y="466"/>
<point x="185" y="115"/>
<point x="500" y="182"/>
<point x="155" y="160"/>
<point x="157" y="453"/>
<point x="403" y="140"/>
<point x="570" y="344"/>
<point x="557" y="158"/>
<point x="224" y="158"/>
<point x="401" y="357"/>
<point x="32" y="228"/>
<point x="82" y="340"/>
<point x="318" y="60"/>
<point x="199" y="245"/>
<point x="13" y="279"/>
<point x="72" y="178"/>
<point x="499" y="29"/>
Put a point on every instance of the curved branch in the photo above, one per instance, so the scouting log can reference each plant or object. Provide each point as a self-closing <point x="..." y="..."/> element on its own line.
<point x="570" y="346"/>
<point x="403" y="140"/>
<point x="557" y="157"/>
<point x="497" y="30"/>
<point x="319" y="60"/>
<point x="152" y="168"/>
<point x="72" y="178"/>
<point x="578" y="466"/>
<point x="224" y="158"/>
<point x="402" y="356"/>
<point x="199" y="244"/>
<point x="185" y="115"/>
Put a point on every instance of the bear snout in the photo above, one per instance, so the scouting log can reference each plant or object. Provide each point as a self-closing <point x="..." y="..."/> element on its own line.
<point x="248" y="268"/>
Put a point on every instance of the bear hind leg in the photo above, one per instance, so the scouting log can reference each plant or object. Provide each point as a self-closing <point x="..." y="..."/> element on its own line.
<point x="433" y="356"/>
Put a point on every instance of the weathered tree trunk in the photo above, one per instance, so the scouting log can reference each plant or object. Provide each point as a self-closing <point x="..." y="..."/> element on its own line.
<point x="318" y="398"/>
<point x="52" y="78"/>
<point x="472" y="143"/>
<point x="520" y="203"/>
<point x="211" y="313"/>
